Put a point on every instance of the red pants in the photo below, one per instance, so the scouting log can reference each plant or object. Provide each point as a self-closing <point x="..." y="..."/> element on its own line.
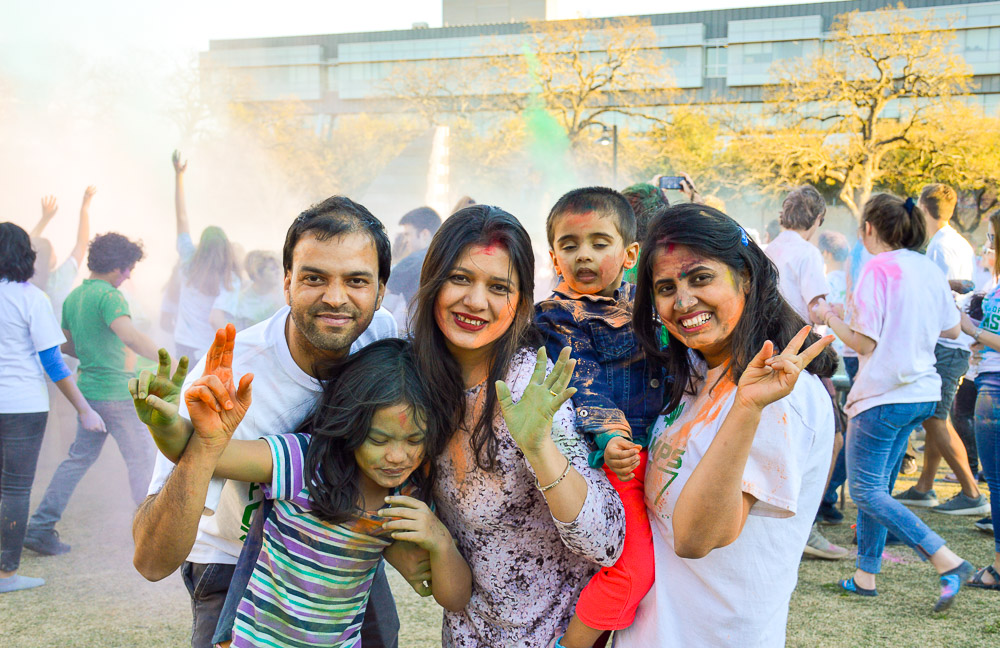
<point x="610" y="599"/>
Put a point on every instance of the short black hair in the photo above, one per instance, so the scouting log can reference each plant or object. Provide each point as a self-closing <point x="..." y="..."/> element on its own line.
<point x="335" y="216"/>
<point x="17" y="258"/>
<point x="604" y="201"/>
<point x="112" y="251"/>
<point x="422" y="218"/>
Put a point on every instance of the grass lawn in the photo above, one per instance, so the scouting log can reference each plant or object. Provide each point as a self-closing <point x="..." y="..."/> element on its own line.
<point x="94" y="598"/>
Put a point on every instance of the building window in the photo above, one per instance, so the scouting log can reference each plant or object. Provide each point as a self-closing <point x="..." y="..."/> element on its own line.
<point x="715" y="61"/>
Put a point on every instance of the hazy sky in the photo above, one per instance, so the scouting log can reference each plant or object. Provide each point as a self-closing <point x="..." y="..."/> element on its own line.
<point x="107" y="27"/>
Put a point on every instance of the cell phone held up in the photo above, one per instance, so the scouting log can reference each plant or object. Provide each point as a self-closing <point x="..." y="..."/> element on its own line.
<point x="671" y="182"/>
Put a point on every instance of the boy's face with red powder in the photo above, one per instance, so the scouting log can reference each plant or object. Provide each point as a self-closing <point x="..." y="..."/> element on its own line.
<point x="699" y="299"/>
<point x="589" y="254"/>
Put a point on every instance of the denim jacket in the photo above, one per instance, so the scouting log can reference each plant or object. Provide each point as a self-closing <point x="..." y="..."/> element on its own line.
<point x="618" y="392"/>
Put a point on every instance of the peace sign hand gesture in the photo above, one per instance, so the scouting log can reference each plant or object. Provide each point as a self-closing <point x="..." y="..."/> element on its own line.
<point x="769" y="378"/>
<point x="530" y="419"/>
<point x="215" y="404"/>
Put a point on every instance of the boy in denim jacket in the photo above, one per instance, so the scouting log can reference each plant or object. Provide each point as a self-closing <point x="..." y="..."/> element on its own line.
<point x="591" y="234"/>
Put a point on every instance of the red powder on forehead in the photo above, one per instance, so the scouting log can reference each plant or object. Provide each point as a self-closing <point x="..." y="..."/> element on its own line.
<point x="403" y="418"/>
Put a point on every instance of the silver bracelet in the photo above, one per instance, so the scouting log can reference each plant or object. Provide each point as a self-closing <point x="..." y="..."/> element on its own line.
<point x="569" y="465"/>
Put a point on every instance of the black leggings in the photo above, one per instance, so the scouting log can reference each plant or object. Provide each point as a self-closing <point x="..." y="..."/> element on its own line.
<point x="20" y="441"/>
<point x="963" y="411"/>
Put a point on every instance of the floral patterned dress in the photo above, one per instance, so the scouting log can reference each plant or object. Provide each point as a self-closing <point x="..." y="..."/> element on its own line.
<point x="527" y="567"/>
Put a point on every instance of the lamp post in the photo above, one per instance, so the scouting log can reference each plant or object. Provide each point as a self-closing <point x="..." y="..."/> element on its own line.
<point x="604" y="140"/>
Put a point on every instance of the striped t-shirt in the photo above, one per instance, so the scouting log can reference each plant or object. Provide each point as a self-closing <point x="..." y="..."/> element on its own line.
<point x="311" y="581"/>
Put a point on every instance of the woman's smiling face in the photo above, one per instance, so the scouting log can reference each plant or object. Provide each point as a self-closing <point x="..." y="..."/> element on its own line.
<point x="477" y="303"/>
<point x="699" y="299"/>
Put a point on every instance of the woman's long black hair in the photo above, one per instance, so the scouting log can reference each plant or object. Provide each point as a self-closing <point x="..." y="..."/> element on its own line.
<point x="476" y="225"/>
<point x="766" y="315"/>
<point x="381" y="374"/>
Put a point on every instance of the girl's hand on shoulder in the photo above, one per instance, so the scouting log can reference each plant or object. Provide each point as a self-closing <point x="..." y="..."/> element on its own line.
<point x="529" y="420"/>
<point x="413" y="521"/>
<point x="769" y="377"/>
<point x="622" y="456"/>
<point x="215" y="404"/>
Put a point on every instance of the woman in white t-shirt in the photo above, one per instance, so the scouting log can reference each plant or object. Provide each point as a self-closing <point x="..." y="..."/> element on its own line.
<point x="29" y="349"/>
<point x="901" y="304"/>
<point x="209" y="274"/>
<point x="738" y="460"/>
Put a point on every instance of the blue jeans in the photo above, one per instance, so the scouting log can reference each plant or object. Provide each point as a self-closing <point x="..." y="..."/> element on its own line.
<point x="988" y="442"/>
<point x="20" y="440"/>
<point x="876" y="442"/>
<point x="134" y="443"/>
<point x="207" y="585"/>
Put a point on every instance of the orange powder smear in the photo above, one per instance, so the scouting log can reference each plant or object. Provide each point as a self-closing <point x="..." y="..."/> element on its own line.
<point x="663" y="454"/>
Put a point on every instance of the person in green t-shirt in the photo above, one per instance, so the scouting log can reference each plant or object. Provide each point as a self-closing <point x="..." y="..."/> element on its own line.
<point x="98" y="327"/>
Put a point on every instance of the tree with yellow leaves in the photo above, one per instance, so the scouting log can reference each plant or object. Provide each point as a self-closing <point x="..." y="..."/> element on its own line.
<point x="881" y="81"/>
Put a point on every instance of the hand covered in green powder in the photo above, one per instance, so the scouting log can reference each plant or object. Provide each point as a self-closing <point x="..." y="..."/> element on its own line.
<point x="156" y="398"/>
<point x="530" y="419"/>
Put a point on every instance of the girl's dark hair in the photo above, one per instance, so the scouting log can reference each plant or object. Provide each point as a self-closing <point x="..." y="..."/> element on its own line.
<point x="766" y="315"/>
<point x="17" y="258"/>
<point x="801" y="208"/>
<point x="476" y="225"/>
<point x="898" y="223"/>
<point x="382" y="374"/>
<point x="213" y="265"/>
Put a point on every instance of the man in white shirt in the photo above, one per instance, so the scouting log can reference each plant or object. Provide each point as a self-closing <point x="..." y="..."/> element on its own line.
<point x="952" y="253"/>
<point x="802" y="283"/>
<point x="336" y="262"/>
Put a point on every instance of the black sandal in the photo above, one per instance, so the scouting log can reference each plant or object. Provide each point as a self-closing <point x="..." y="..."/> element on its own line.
<point x="977" y="579"/>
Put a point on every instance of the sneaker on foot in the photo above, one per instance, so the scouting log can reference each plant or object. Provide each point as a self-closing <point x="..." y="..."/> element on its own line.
<point x="985" y="524"/>
<point x="950" y="478"/>
<point x="909" y="465"/>
<point x="820" y="547"/>
<point x="962" y="504"/>
<point x="951" y="583"/>
<point x="45" y="542"/>
<point x="912" y="497"/>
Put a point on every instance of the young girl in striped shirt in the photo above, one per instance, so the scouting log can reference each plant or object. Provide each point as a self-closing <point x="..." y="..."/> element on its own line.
<point x="347" y="484"/>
